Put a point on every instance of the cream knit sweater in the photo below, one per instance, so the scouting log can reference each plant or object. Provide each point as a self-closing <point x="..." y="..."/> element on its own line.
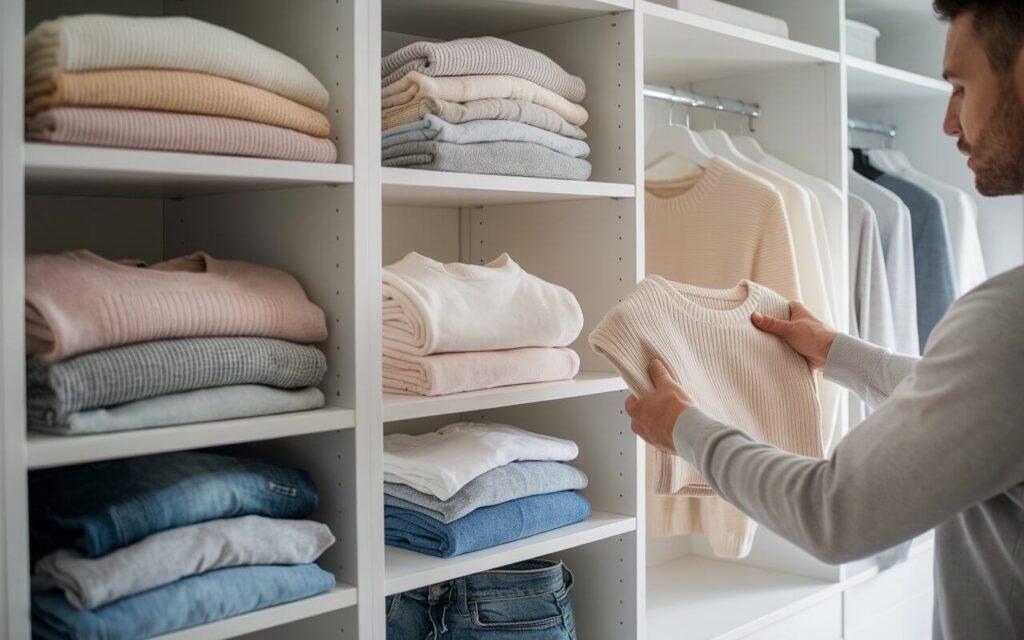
<point x="735" y="373"/>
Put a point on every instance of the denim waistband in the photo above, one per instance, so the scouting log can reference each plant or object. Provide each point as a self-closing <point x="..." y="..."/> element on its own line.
<point x="528" y="578"/>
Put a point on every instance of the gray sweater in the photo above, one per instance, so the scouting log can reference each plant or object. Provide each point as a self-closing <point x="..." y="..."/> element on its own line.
<point x="944" y="449"/>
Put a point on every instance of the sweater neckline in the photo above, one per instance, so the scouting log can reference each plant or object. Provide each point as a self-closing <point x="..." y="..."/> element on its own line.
<point x="703" y="185"/>
<point x="501" y="268"/>
<point x="747" y="293"/>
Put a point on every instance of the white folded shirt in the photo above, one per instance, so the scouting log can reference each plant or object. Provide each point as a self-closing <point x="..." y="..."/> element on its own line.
<point x="442" y="462"/>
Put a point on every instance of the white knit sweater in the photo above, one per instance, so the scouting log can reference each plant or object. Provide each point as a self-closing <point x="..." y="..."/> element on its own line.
<point x="735" y="373"/>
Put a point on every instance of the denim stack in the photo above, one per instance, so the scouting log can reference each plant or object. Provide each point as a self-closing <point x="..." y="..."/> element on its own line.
<point x="141" y="547"/>
<point x="469" y="486"/>
<point x="525" y="600"/>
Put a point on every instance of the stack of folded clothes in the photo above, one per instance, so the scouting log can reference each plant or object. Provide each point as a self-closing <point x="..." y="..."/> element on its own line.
<point x="171" y="84"/>
<point x="482" y="105"/>
<point x="141" y="547"/>
<point x="470" y="486"/>
<point x="458" y="327"/>
<point x="194" y="339"/>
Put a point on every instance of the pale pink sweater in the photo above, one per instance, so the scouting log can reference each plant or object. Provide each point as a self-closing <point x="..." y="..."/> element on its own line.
<point x="77" y="302"/>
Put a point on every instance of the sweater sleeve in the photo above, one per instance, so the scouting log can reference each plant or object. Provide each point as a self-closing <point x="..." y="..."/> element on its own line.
<point x="869" y="371"/>
<point x="775" y="262"/>
<point x="947" y="437"/>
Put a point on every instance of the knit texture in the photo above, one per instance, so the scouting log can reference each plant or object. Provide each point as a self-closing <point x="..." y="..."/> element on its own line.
<point x="433" y="128"/>
<point x="176" y="91"/>
<point x="482" y="109"/>
<point x="485" y="55"/>
<point x="147" y="369"/>
<point x="88" y="42"/>
<point x="158" y="131"/>
<point x="415" y="86"/>
<point x="446" y="373"/>
<point x="77" y="302"/>
<point x="732" y="370"/>
<point x="493" y="158"/>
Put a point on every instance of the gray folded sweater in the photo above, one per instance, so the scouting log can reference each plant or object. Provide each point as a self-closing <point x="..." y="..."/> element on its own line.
<point x="492" y="158"/>
<point x="148" y="369"/>
<point x="433" y="128"/>
<point x="485" y="55"/>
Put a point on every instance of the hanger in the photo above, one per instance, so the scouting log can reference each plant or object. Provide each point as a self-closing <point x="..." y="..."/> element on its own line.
<point x="881" y="159"/>
<point x="750" y="148"/>
<point x="677" y="140"/>
<point x="862" y="166"/>
<point x="720" y="143"/>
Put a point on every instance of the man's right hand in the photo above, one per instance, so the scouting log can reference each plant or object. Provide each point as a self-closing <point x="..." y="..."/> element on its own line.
<point x="807" y="335"/>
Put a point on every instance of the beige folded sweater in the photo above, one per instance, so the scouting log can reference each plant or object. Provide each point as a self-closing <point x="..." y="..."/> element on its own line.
<point x="734" y="372"/>
<point x="175" y="91"/>
<point x="415" y="86"/>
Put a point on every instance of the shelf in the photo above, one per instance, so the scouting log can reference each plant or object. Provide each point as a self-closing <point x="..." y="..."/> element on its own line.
<point x="404" y="407"/>
<point x="863" y="570"/>
<point x="449" y="19"/>
<point x="405" y="570"/>
<point x="341" y="597"/>
<point x="681" y="47"/>
<point x="72" y="170"/>
<point x="48" y="450"/>
<point x="720" y="600"/>
<point x="417" y="187"/>
<point x="870" y="83"/>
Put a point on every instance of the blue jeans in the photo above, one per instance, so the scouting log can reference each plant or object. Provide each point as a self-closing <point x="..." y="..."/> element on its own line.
<point x="523" y="601"/>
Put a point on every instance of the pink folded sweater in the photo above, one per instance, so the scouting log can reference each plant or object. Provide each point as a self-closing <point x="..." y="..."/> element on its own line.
<point x="77" y="302"/>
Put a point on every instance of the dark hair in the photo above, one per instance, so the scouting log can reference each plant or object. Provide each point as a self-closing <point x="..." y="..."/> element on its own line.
<point x="998" y="23"/>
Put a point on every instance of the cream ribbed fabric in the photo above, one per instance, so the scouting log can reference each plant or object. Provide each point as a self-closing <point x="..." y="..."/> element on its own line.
<point x="735" y="373"/>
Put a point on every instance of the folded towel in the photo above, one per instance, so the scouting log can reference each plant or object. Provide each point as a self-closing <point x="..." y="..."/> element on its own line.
<point x="486" y="527"/>
<point x="433" y="128"/>
<point x="88" y="42"/>
<point x="446" y="373"/>
<point x="178" y="91"/>
<point x="200" y="405"/>
<point x="184" y="132"/>
<point x="147" y="369"/>
<point x="187" y="603"/>
<point x="415" y="86"/>
<point x="102" y="506"/>
<point x="490" y="158"/>
<point x="444" y="461"/>
<point x="168" y="556"/>
<point x="430" y="307"/>
<point x="77" y="302"/>
<point x="482" y="56"/>
<point x="482" y="109"/>
<point x="509" y="482"/>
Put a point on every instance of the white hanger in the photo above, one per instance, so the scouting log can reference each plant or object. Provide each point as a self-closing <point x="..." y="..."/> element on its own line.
<point x="750" y="148"/>
<point x="721" y="144"/>
<point x="676" y="140"/>
<point x="882" y="161"/>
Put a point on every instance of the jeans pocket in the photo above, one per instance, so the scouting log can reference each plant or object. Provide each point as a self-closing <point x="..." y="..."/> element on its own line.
<point x="528" y="612"/>
<point x="391" y="604"/>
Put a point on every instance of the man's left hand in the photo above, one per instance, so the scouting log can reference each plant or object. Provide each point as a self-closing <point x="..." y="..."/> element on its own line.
<point x="654" y="416"/>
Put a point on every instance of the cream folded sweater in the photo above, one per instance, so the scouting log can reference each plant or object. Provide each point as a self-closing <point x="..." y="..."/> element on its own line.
<point x="416" y="86"/>
<point x="734" y="372"/>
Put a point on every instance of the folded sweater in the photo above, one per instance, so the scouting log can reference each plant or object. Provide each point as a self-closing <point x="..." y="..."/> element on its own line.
<point x="77" y="302"/>
<point x="490" y="158"/>
<point x="161" y="131"/>
<point x="482" y="109"/>
<point x="484" y="55"/>
<point x="433" y="128"/>
<point x="176" y="91"/>
<point x="430" y="307"/>
<point x="415" y="86"/>
<point x="445" y="373"/>
<point x="89" y="42"/>
<point x="147" y="369"/>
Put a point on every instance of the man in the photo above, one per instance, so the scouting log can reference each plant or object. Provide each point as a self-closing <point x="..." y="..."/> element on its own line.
<point x="945" y="446"/>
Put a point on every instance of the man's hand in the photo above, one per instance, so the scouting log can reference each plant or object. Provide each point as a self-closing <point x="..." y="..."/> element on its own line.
<point x="654" y="416"/>
<point x="807" y="335"/>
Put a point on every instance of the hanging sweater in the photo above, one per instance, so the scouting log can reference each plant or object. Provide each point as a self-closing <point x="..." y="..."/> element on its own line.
<point x="706" y="339"/>
<point x="77" y="302"/>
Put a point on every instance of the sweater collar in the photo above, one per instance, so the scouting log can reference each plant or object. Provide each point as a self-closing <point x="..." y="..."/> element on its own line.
<point x="686" y="298"/>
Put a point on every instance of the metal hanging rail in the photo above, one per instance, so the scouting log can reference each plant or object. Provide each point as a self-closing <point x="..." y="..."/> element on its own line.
<point x="873" y="127"/>
<point x="680" y="96"/>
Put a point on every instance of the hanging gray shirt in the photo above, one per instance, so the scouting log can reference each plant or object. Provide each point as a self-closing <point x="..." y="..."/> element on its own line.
<point x="944" y="449"/>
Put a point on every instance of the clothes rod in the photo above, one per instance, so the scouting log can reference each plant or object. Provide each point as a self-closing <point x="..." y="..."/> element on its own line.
<point x="689" y="98"/>
<point x="873" y="127"/>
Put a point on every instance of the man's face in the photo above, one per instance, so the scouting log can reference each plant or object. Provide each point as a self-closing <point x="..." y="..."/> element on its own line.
<point x="986" y="112"/>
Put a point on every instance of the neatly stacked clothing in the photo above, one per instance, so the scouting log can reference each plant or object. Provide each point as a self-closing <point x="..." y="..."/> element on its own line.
<point x="482" y="105"/>
<point x="458" y="327"/>
<point x="192" y="339"/>
<point x="171" y="84"/>
<point x="141" y="547"/>
<point x="469" y="486"/>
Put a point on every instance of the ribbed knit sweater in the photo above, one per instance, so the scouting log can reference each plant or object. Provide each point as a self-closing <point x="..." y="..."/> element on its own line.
<point x="705" y="338"/>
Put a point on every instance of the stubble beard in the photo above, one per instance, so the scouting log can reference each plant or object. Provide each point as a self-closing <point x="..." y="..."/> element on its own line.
<point x="998" y="154"/>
